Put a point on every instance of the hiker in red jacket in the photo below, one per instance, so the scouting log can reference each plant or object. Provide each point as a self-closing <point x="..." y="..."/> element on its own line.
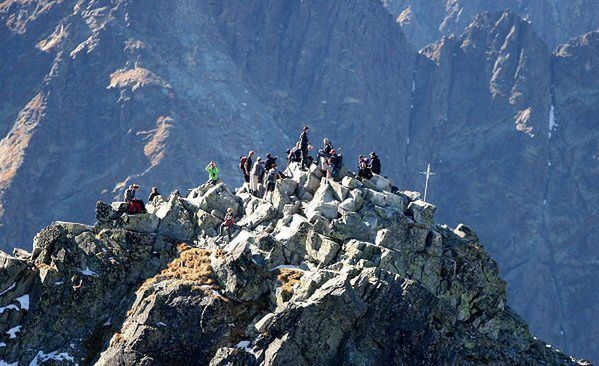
<point x="228" y="223"/>
<point x="136" y="205"/>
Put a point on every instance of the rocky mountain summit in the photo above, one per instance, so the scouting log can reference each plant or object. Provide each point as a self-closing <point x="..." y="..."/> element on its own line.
<point x="327" y="273"/>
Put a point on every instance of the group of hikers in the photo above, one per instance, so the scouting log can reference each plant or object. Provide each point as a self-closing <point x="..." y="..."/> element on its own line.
<point x="266" y="171"/>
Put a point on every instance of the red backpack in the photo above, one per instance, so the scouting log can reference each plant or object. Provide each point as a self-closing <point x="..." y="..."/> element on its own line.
<point x="242" y="161"/>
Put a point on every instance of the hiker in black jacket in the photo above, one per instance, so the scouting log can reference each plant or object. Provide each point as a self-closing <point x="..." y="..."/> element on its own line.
<point x="304" y="145"/>
<point x="375" y="163"/>
<point x="153" y="194"/>
<point x="295" y="154"/>
<point x="270" y="161"/>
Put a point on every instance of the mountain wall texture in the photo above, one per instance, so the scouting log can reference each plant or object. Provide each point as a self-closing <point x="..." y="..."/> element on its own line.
<point x="556" y="21"/>
<point x="324" y="273"/>
<point x="99" y="94"/>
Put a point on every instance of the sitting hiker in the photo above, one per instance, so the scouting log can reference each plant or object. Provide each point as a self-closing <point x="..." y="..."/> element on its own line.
<point x="325" y="153"/>
<point x="154" y="194"/>
<point x="364" y="167"/>
<point x="295" y="154"/>
<point x="270" y="161"/>
<point x="135" y="204"/>
<point x="228" y="223"/>
<point x="271" y="181"/>
<point x="375" y="163"/>
<point x="255" y="174"/>
<point x="213" y="171"/>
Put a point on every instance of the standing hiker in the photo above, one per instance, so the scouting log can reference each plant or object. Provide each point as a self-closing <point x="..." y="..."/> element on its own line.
<point x="304" y="145"/>
<point x="213" y="171"/>
<point x="228" y="223"/>
<point x="335" y="163"/>
<point x="245" y="164"/>
<point x="255" y="174"/>
<point x="271" y="181"/>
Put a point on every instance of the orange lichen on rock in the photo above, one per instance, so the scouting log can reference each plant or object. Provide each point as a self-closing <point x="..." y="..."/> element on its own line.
<point x="289" y="277"/>
<point x="192" y="266"/>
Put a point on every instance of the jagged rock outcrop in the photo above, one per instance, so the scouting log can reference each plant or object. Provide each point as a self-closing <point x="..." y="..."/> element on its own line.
<point x="556" y="21"/>
<point x="290" y="290"/>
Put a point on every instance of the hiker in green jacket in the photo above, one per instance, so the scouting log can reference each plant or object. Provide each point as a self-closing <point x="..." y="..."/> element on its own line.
<point x="213" y="171"/>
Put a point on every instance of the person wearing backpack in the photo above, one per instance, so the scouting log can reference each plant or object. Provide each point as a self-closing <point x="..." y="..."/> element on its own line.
<point x="271" y="181"/>
<point x="228" y="223"/>
<point x="256" y="173"/>
<point x="364" y="167"/>
<point x="213" y="171"/>
<point x="270" y="161"/>
<point x="245" y="164"/>
<point x="375" y="163"/>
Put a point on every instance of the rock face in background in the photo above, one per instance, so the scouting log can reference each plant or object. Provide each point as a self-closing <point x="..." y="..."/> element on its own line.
<point x="556" y="21"/>
<point x="105" y="93"/>
<point x="124" y="293"/>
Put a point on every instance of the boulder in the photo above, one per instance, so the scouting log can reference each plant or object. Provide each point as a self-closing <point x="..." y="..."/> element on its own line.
<point x="218" y="199"/>
<point x="340" y="192"/>
<point x="208" y="223"/>
<point x="233" y="357"/>
<point x="238" y="275"/>
<point x="423" y="212"/>
<point x="382" y="183"/>
<point x="141" y="223"/>
<point x="351" y="183"/>
<point x="376" y="198"/>
<point x="323" y="203"/>
<point x="351" y="225"/>
<point x="321" y="249"/>
<point x="262" y="213"/>
<point x="175" y="221"/>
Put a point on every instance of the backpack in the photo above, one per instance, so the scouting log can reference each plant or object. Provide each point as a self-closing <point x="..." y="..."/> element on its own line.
<point x="242" y="161"/>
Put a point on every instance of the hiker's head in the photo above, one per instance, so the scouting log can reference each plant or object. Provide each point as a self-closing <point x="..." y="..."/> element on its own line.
<point x="258" y="159"/>
<point x="326" y="141"/>
<point x="154" y="189"/>
<point x="373" y="155"/>
<point x="268" y="156"/>
<point x="250" y="154"/>
<point x="306" y="128"/>
<point x="135" y="186"/>
<point x="230" y="210"/>
<point x="361" y="157"/>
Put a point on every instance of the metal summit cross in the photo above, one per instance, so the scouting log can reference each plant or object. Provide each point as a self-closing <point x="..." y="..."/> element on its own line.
<point x="428" y="174"/>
